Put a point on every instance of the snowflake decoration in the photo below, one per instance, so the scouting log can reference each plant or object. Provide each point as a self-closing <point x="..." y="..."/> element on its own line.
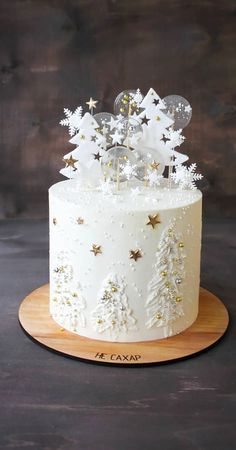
<point x="153" y="178"/>
<point x="72" y="120"/>
<point x="128" y="170"/>
<point x="186" y="177"/>
<point x="108" y="187"/>
<point x="137" y="97"/>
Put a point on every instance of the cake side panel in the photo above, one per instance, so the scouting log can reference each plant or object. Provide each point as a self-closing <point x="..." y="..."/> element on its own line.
<point x="96" y="289"/>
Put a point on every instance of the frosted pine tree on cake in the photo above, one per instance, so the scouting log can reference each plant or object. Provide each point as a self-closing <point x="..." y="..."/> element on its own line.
<point x="112" y="311"/>
<point x="67" y="303"/>
<point x="165" y="300"/>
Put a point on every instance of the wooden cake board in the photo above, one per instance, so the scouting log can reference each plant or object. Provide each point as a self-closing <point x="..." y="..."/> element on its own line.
<point x="209" y="327"/>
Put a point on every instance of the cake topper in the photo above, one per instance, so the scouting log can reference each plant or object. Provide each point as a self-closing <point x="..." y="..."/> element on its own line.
<point x="132" y="147"/>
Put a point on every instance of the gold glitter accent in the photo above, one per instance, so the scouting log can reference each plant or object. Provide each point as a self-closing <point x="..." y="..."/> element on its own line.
<point x="92" y="103"/>
<point x="154" y="165"/>
<point x="113" y="322"/>
<point x="62" y="329"/>
<point x="135" y="254"/>
<point x="96" y="249"/>
<point x="181" y="244"/>
<point x="114" y="289"/>
<point x="158" y="118"/>
<point x="82" y="136"/>
<point x="70" y="162"/>
<point x="158" y="316"/>
<point x="153" y="220"/>
<point x="122" y="110"/>
<point x="74" y="294"/>
<point x="178" y="299"/>
<point x="164" y="273"/>
<point x="99" y="320"/>
<point x="167" y="284"/>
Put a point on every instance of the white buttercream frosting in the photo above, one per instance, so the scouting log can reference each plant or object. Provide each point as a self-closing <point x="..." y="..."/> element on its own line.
<point x="117" y="223"/>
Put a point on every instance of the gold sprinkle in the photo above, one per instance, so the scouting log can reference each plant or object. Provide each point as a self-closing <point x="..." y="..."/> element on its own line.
<point x="99" y="320"/>
<point x="181" y="244"/>
<point x="113" y="322"/>
<point x="158" y="118"/>
<point x="164" y="273"/>
<point x="62" y="329"/>
<point x="158" y="316"/>
<point x="114" y="289"/>
<point x="178" y="299"/>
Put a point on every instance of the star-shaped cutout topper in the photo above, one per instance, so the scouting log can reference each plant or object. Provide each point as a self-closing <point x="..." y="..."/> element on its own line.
<point x="153" y="220"/>
<point x="135" y="254"/>
<point x="156" y="101"/>
<point x="145" y="120"/>
<point x="97" y="156"/>
<point x="154" y="165"/>
<point x="165" y="139"/>
<point x="92" y="103"/>
<point x="96" y="249"/>
<point x="70" y="162"/>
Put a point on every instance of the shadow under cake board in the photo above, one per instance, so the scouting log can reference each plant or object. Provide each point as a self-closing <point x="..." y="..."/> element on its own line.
<point x="210" y="326"/>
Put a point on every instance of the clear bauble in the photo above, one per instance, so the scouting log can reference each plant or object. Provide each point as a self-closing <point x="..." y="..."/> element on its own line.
<point x="127" y="102"/>
<point x="179" y="109"/>
<point x="114" y="162"/>
<point x="148" y="160"/>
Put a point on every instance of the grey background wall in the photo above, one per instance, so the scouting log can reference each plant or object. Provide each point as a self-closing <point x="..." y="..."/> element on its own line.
<point x="56" y="53"/>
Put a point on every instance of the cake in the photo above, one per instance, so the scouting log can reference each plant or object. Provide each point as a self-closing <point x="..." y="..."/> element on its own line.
<point x="125" y="241"/>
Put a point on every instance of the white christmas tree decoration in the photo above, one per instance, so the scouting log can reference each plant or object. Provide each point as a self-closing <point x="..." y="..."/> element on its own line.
<point x="165" y="295"/>
<point x="186" y="177"/>
<point x="72" y="120"/>
<point x="112" y="311"/>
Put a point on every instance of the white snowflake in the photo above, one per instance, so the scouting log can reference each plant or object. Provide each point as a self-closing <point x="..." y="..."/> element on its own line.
<point x="72" y="120"/>
<point x="108" y="187"/>
<point x="135" y="191"/>
<point x="153" y="178"/>
<point x="186" y="177"/>
<point x="128" y="170"/>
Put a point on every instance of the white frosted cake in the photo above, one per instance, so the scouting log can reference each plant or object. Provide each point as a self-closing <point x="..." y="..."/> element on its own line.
<point x="125" y="241"/>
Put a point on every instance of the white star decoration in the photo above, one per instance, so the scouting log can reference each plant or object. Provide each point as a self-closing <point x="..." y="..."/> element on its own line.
<point x="117" y="137"/>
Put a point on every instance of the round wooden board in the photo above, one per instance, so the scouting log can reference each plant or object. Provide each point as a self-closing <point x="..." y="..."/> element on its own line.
<point x="209" y="327"/>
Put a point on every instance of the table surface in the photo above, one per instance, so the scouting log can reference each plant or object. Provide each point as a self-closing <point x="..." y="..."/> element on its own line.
<point x="52" y="402"/>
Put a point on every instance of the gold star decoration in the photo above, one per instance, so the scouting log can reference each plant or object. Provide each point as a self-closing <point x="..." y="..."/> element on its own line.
<point x="80" y="221"/>
<point x="54" y="221"/>
<point x="70" y="162"/>
<point x="96" y="249"/>
<point x="154" y="165"/>
<point x="153" y="220"/>
<point x="91" y="103"/>
<point x="135" y="254"/>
